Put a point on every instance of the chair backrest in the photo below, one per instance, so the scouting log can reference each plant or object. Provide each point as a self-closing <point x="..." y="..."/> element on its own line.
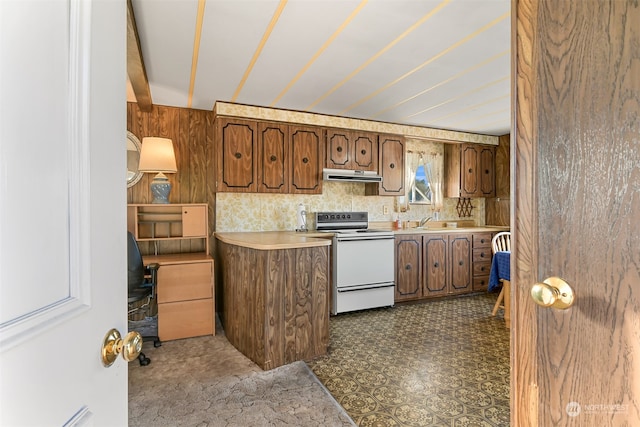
<point x="134" y="263"/>
<point x="501" y="242"/>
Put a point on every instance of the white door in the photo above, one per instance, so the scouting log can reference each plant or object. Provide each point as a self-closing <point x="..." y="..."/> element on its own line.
<point x="62" y="211"/>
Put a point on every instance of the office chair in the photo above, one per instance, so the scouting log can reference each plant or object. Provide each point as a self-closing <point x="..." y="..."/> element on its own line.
<point x="500" y="242"/>
<point x="142" y="286"/>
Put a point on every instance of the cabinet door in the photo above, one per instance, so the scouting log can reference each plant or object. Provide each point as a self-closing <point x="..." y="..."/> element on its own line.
<point x="185" y="281"/>
<point x="435" y="265"/>
<point x="194" y="221"/>
<point x="339" y="149"/>
<point x="460" y="265"/>
<point x="273" y="158"/>
<point x="469" y="171"/>
<point x="365" y="151"/>
<point x="307" y="158"/>
<point x="408" y="267"/>
<point x="391" y="161"/>
<point x="486" y="172"/>
<point x="236" y="155"/>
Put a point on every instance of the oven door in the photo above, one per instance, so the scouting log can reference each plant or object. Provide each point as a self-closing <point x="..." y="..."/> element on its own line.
<point x="361" y="262"/>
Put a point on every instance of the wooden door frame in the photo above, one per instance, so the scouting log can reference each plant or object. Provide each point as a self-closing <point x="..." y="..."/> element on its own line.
<point x="524" y="242"/>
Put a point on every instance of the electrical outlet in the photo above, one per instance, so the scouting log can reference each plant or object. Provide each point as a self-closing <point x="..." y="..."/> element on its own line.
<point x="385" y="210"/>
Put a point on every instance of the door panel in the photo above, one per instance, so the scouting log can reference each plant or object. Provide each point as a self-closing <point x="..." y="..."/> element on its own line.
<point x="576" y="213"/>
<point x="62" y="218"/>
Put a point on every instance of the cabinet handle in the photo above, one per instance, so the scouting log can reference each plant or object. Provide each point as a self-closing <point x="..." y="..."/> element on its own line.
<point x="272" y="158"/>
<point x="481" y="254"/>
<point x="238" y="155"/>
<point x="407" y="267"/>
<point x="305" y="160"/>
<point x="339" y="149"/>
<point x="482" y="240"/>
<point x="460" y="262"/>
<point x="363" y="152"/>
<point x="392" y="166"/>
<point x="483" y="268"/>
<point x="486" y="171"/>
<point x="436" y="265"/>
<point x="470" y="170"/>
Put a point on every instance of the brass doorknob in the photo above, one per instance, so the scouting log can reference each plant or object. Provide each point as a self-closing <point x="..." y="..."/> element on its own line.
<point x="113" y="344"/>
<point x="553" y="292"/>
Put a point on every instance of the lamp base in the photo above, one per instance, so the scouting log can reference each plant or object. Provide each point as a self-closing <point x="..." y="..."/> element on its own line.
<point x="160" y="188"/>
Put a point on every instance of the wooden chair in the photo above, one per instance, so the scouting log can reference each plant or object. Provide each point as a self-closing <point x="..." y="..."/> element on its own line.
<point x="501" y="242"/>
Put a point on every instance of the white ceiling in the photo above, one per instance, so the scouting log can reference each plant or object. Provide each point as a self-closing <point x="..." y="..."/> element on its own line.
<point x="436" y="63"/>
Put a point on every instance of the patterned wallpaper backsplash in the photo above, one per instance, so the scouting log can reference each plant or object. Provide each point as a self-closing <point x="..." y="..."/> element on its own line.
<point x="277" y="212"/>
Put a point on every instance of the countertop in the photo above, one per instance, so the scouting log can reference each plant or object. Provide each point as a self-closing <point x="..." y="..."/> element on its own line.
<point x="272" y="240"/>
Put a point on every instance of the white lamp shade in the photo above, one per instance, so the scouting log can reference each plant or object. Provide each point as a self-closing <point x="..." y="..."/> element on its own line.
<point x="157" y="155"/>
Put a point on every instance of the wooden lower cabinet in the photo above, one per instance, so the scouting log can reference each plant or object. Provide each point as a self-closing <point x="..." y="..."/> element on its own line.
<point x="435" y="248"/>
<point x="275" y="302"/>
<point x="481" y="261"/>
<point x="408" y="252"/>
<point x="434" y="265"/>
<point x="185" y="295"/>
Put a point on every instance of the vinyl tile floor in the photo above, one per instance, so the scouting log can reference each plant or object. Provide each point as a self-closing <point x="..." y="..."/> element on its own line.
<point x="434" y="363"/>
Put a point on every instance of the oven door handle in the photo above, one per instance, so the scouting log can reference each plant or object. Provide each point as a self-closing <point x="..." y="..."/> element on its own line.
<point x="366" y="287"/>
<point x="360" y="238"/>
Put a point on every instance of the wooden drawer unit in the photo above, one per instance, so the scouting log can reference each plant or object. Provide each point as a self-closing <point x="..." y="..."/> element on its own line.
<point x="182" y="282"/>
<point x="185" y="319"/>
<point x="185" y="295"/>
<point x="481" y="261"/>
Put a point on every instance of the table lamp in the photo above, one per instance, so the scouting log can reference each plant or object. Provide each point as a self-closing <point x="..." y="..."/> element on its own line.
<point x="156" y="156"/>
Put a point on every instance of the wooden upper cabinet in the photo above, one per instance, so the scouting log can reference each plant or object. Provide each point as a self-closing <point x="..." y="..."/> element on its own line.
<point x="487" y="171"/>
<point x="391" y="161"/>
<point x="307" y="158"/>
<point x="236" y="165"/>
<point x="353" y="150"/>
<point x="469" y="170"/>
<point x="273" y="158"/>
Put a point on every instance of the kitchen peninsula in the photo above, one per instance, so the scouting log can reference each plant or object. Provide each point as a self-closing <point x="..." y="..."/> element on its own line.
<point x="275" y="285"/>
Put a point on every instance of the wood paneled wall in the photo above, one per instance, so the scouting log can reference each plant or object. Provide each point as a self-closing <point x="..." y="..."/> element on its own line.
<point x="498" y="209"/>
<point x="192" y="134"/>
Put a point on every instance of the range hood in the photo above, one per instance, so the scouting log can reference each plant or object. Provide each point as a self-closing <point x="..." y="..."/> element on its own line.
<point x="345" y="175"/>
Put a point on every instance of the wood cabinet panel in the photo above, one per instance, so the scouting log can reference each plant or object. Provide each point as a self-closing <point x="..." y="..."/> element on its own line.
<point x="460" y="264"/>
<point x="469" y="170"/>
<point x="408" y="278"/>
<point x="353" y="150"/>
<point x="273" y="158"/>
<point x="185" y="319"/>
<point x="435" y="265"/>
<point x="182" y="282"/>
<point x="391" y="167"/>
<point x="194" y="220"/>
<point x="307" y="158"/>
<point x="276" y="302"/>
<point x="482" y="255"/>
<point x="237" y="165"/>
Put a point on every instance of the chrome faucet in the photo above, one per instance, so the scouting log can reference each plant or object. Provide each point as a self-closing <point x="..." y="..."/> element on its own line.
<point x="423" y="221"/>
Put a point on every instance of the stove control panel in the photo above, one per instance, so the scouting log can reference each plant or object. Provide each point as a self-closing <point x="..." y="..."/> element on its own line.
<point x="341" y="220"/>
